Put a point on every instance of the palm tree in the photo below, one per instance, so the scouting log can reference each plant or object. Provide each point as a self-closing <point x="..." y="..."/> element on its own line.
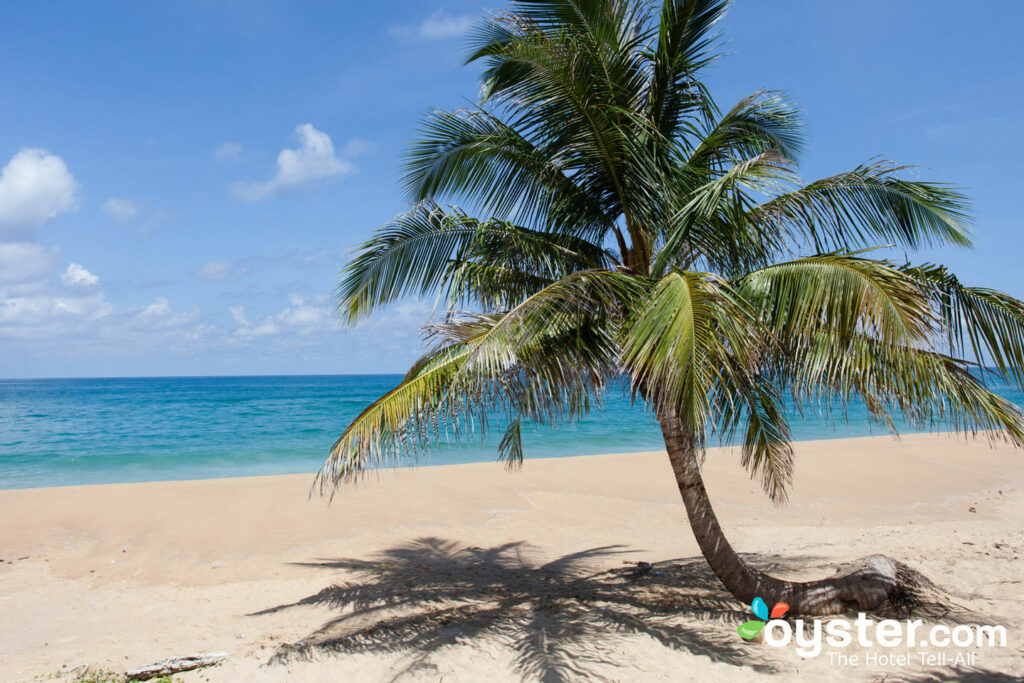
<point x="633" y="233"/>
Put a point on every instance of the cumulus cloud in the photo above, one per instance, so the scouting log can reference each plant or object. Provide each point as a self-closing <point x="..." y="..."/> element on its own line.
<point x="314" y="159"/>
<point x="160" y="306"/>
<point x="229" y="151"/>
<point x="246" y="328"/>
<point x="305" y="317"/>
<point x="121" y="209"/>
<point x="76" y="311"/>
<point x="71" y="308"/>
<point x="51" y="312"/>
<point x="35" y="316"/>
<point x="218" y="271"/>
<point x="35" y="187"/>
<point x="308" y="315"/>
<point x="77" y="276"/>
<point x="437" y="26"/>
<point x="160" y="315"/>
<point x="26" y="261"/>
<point x="307" y="327"/>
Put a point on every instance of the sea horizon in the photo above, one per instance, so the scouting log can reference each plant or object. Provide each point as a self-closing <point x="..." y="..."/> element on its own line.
<point x="272" y="374"/>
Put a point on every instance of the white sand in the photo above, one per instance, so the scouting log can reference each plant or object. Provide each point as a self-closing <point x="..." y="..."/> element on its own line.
<point x="525" y="577"/>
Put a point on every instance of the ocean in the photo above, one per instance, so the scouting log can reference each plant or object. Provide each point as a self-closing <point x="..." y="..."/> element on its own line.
<point x="59" y="432"/>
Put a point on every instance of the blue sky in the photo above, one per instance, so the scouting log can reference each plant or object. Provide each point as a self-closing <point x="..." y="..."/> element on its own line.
<point x="182" y="181"/>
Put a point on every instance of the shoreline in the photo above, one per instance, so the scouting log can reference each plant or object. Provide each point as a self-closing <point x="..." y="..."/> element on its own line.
<point x="384" y="471"/>
<point x="120" y="575"/>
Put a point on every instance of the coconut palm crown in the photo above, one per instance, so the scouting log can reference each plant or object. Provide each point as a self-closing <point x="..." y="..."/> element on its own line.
<point x="614" y="226"/>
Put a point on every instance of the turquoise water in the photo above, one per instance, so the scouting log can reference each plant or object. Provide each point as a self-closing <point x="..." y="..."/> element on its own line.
<point x="93" y="431"/>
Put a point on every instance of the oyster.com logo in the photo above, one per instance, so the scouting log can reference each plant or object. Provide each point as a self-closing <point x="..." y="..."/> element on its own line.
<point x="904" y="641"/>
<point x="751" y="629"/>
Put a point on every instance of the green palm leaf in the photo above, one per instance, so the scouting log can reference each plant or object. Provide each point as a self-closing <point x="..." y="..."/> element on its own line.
<point x="432" y="249"/>
<point x="866" y="205"/>
<point x="980" y="322"/>
<point x="397" y="422"/>
<point x="840" y="292"/>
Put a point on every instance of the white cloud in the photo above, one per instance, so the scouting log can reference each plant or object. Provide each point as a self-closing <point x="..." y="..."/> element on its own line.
<point x="121" y="209"/>
<point x="308" y="327"/>
<point x="229" y="151"/>
<point x="44" y="308"/>
<point x="218" y="271"/>
<point x="160" y="315"/>
<point x="77" y="276"/>
<point x="308" y="315"/>
<point x="305" y="317"/>
<point x="238" y="315"/>
<point x="160" y="306"/>
<point x="26" y="261"/>
<point x="437" y="26"/>
<point x="245" y="328"/>
<point x="79" y="315"/>
<point x="49" y="313"/>
<point x="35" y="186"/>
<point x="72" y="308"/>
<point x="313" y="160"/>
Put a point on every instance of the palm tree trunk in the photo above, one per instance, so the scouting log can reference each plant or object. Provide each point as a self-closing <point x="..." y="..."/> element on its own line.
<point x="873" y="581"/>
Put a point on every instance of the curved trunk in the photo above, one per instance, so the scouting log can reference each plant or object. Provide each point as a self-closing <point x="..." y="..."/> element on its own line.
<point x="875" y="579"/>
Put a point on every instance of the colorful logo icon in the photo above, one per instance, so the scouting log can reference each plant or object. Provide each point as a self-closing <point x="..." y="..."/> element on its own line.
<point x="750" y="629"/>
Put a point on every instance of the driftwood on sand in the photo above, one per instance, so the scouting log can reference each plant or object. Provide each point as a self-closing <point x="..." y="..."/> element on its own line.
<point x="175" y="665"/>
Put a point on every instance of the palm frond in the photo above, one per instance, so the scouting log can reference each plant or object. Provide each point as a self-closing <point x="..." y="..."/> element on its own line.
<point x="866" y="205"/>
<point x="423" y="252"/>
<point x="587" y="305"/>
<point x="930" y="389"/>
<point x="696" y="351"/>
<point x="398" y="423"/>
<point x="982" y="323"/>
<point x="542" y="360"/>
<point x="674" y="344"/>
<point x="686" y="233"/>
<point x="685" y="45"/>
<point x="575" y="74"/>
<point x="840" y="292"/>
<point x="510" y="449"/>
<point x="506" y="263"/>
<point x="761" y="122"/>
<point x="473" y="154"/>
<point x="766" y="451"/>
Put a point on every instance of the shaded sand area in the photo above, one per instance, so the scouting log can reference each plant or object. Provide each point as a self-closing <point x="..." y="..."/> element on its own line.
<point x="468" y="572"/>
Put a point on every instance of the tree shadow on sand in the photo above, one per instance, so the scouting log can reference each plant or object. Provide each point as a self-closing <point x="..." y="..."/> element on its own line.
<point x="561" y="620"/>
<point x="558" y="618"/>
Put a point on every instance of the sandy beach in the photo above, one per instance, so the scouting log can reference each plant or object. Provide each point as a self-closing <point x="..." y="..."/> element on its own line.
<point x="466" y="572"/>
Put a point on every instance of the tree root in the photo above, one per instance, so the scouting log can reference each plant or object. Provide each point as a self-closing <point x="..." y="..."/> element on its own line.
<point x="876" y="583"/>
